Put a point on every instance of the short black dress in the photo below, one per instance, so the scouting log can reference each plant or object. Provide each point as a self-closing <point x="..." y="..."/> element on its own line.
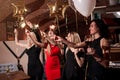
<point x="71" y="70"/>
<point x="35" y="67"/>
<point x="95" y="71"/>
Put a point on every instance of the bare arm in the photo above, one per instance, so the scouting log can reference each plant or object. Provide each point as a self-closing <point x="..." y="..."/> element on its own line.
<point x="70" y="44"/>
<point x="50" y="41"/>
<point x="47" y="38"/>
<point x="35" y="41"/>
<point x="105" y="50"/>
<point x="79" y="59"/>
<point x="17" y="41"/>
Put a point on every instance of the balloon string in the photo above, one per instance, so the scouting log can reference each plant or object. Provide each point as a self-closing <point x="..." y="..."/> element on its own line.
<point x="57" y="22"/>
<point x="86" y="71"/>
<point x="76" y="20"/>
<point x="85" y="18"/>
<point x="66" y="24"/>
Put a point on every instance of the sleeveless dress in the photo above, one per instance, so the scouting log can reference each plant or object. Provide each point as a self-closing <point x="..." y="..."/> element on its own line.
<point x="71" y="70"/>
<point x="35" y="67"/>
<point x="52" y="65"/>
<point x="95" y="70"/>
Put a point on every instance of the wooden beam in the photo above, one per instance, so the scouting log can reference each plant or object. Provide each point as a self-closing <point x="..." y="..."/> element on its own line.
<point x="113" y="8"/>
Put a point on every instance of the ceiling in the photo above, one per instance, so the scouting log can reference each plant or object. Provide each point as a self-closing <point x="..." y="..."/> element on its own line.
<point x="38" y="13"/>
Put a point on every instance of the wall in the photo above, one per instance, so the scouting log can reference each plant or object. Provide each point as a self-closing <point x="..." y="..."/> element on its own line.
<point x="7" y="57"/>
<point x="2" y="31"/>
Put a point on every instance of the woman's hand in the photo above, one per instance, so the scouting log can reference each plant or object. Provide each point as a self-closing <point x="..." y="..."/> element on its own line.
<point x="76" y="51"/>
<point x="90" y="51"/>
<point x="15" y="31"/>
<point x="27" y="32"/>
<point x="43" y="34"/>
<point x="58" y="39"/>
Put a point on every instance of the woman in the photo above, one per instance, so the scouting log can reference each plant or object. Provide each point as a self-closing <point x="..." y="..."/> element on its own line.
<point x="35" y="68"/>
<point x="52" y="66"/>
<point x="98" y="50"/>
<point x="73" y="68"/>
<point x="52" y="52"/>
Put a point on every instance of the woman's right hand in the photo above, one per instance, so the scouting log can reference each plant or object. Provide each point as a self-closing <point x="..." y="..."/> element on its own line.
<point x="90" y="51"/>
<point x="15" y="31"/>
<point x="58" y="39"/>
<point x="43" y="34"/>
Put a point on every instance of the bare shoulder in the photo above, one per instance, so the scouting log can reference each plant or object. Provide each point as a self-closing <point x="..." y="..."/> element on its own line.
<point x="104" y="43"/>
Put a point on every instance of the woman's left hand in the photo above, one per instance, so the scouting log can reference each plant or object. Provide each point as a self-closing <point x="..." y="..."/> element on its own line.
<point x="90" y="51"/>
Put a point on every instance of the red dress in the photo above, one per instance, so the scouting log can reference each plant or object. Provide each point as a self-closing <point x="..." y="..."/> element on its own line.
<point x="52" y="66"/>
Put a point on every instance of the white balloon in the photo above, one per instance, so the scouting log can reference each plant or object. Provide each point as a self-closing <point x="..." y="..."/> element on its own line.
<point x="84" y="7"/>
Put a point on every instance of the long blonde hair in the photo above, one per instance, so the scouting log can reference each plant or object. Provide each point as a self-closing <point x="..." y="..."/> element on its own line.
<point x="75" y="38"/>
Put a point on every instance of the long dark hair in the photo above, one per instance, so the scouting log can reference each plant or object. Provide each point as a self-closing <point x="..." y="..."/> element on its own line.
<point x="103" y="28"/>
<point x="37" y="33"/>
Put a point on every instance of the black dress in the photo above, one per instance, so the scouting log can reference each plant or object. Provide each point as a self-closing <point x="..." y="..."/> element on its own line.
<point x="35" y="67"/>
<point x="95" y="71"/>
<point x="71" y="70"/>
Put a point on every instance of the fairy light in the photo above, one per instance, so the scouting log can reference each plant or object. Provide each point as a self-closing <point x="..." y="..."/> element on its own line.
<point x="36" y="26"/>
<point x="52" y="27"/>
<point x="22" y="24"/>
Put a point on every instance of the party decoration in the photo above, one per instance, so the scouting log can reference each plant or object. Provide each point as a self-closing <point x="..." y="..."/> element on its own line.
<point x="19" y="11"/>
<point x="52" y="7"/>
<point x="19" y="8"/>
<point x="58" y="8"/>
<point x="84" y="7"/>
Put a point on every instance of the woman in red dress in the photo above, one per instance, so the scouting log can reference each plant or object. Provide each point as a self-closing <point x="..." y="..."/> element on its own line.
<point x="52" y="66"/>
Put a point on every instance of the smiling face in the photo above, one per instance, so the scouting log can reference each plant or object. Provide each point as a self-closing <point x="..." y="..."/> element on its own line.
<point x="51" y="34"/>
<point x="93" y="28"/>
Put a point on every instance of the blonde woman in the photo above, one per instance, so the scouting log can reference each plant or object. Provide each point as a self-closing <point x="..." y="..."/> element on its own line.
<point x="74" y="59"/>
<point x="35" y="68"/>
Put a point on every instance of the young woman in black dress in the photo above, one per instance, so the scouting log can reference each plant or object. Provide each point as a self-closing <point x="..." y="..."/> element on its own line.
<point x="98" y="50"/>
<point x="73" y="67"/>
<point x="35" y="67"/>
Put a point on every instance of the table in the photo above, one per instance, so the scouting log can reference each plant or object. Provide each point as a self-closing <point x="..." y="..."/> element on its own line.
<point x="16" y="75"/>
<point x="115" y="54"/>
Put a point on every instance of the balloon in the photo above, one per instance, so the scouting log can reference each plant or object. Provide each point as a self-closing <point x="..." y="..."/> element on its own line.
<point x="84" y="7"/>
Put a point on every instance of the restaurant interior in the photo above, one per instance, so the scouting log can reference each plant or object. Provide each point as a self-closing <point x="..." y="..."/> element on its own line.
<point x="68" y="15"/>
